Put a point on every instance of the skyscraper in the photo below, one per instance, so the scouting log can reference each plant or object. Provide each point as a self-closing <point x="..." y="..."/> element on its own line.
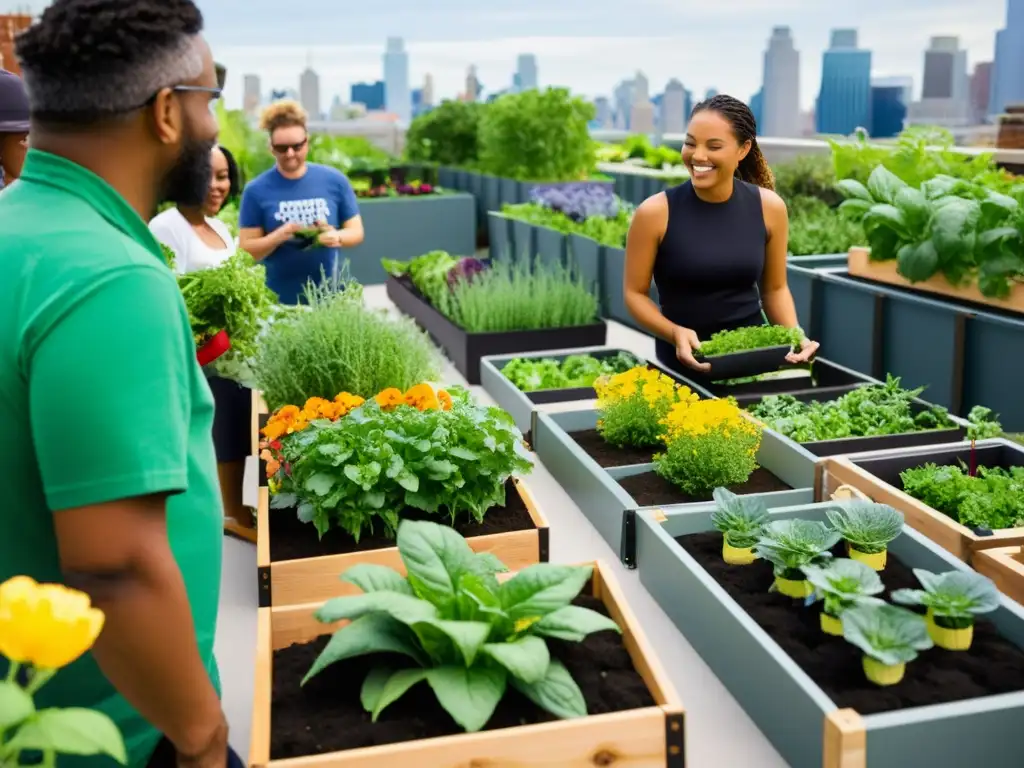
<point x="844" y="101"/>
<point x="526" y="71"/>
<point x="981" y="91"/>
<point x="945" y="92"/>
<point x="603" y="112"/>
<point x="309" y="92"/>
<point x="428" y="91"/>
<point x="370" y="95"/>
<point x="623" y="99"/>
<point x="397" y="99"/>
<point x="889" y="101"/>
<point x="757" y="106"/>
<point x="781" y="86"/>
<point x="1008" y="66"/>
<point x="473" y="86"/>
<point x="673" y="108"/>
<point x="641" y="112"/>
<point x="253" y="95"/>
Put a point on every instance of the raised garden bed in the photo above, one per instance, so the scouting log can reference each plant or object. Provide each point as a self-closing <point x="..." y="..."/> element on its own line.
<point x="295" y="567"/>
<point x="877" y="475"/>
<point x="805" y="690"/>
<point x="636" y="715"/>
<point x="609" y="484"/>
<point x="1005" y="566"/>
<point x="466" y="349"/>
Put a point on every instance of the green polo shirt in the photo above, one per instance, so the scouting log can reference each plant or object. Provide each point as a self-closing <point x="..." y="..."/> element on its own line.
<point x="101" y="399"/>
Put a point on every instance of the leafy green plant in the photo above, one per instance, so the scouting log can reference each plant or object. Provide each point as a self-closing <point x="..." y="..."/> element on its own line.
<point x="807" y="177"/>
<point x="375" y="462"/>
<point x="740" y="519"/>
<point x="429" y="273"/>
<point x="887" y="634"/>
<point x="982" y="424"/>
<point x="466" y="635"/>
<point x="991" y="499"/>
<point x="815" y="228"/>
<point x="867" y="527"/>
<point x="610" y="231"/>
<point x="340" y="345"/>
<point x="531" y="375"/>
<point x="633" y="405"/>
<point x="750" y="338"/>
<point x="537" y="136"/>
<point x="446" y="135"/>
<point x="954" y="598"/>
<point x="843" y="584"/>
<point x="789" y="545"/>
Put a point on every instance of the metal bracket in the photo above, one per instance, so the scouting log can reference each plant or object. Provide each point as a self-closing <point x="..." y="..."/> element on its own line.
<point x="627" y="548"/>
<point x="263" y="586"/>
<point x="675" y="740"/>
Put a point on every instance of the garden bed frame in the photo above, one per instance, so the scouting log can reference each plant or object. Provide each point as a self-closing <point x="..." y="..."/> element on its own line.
<point x="801" y="721"/>
<point x="1005" y="566"/>
<point x="465" y="349"/>
<point x="316" y="579"/>
<point x="959" y="540"/>
<point x="652" y="737"/>
<point x="612" y="510"/>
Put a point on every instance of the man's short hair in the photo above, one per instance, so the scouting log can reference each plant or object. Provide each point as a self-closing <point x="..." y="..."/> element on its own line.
<point x="86" y="61"/>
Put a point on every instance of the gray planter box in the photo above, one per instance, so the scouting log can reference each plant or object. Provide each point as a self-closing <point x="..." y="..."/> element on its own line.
<point x="446" y="177"/>
<point x="609" y="507"/>
<point x="524" y="240"/>
<point x="403" y="228"/>
<point x="499" y="231"/>
<point x="511" y="192"/>
<point x="613" y="265"/>
<point x="586" y="256"/>
<point x="802" y="279"/>
<point x="785" y="703"/>
<point x="552" y="246"/>
<point x="475" y="187"/>
<point x="490" y="187"/>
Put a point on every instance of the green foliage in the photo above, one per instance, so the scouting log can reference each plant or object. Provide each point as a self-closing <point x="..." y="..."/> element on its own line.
<point x="537" y="136"/>
<point x="610" y="231"/>
<point x="954" y="597"/>
<point x="866" y="526"/>
<point x="530" y="375"/>
<point x="983" y="424"/>
<point x="373" y="463"/>
<point x="229" y="215"/>
<point x="446" y="135"/>
<point x="467" y="636"/>
<point x="347" y="153"/>
<point x="815" y="228"/>
<point x="339" y="345"/>
<point x="993" y="498"/>
<point x="875" y="409"/>
<point x="789" y="545"/>
<point x="699" y="462"/>
<point x="749" y="338"/>
<point x="808" y="177"/>
<point x="429" y="273"/>
<point x="887" y="633"/>
<point x="250" y="148"/>
<point x="741" y="519"/>
<point x="843" y="584"/>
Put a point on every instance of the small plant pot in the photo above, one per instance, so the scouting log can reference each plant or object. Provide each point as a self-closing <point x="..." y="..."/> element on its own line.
<point x="796" y="589"/>
<point x="875" y="560"/>
<point x="832" y="625"/>
<point x="737" y="555"/>
<point x="950" y="639"/>
<point x="883" y="674"/>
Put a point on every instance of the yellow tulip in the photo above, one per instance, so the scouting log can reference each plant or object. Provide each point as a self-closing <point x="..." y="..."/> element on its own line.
<point x="45" y="625"/>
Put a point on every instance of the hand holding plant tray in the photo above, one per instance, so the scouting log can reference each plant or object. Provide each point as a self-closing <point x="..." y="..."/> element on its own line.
<point x="466" y="635"/>
<point x="748" y="351"/>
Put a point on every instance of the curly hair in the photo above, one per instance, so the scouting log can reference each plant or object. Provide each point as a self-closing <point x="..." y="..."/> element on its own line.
<point x="283" y="114"/>
<point x="88" y="60"/>
<point x="753" y="168"/>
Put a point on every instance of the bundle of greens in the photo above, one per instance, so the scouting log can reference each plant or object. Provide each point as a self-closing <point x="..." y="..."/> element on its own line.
<point x="429" y="273"/>
<point x="530" y="375"/>
<point x="993" y="498"/>
<point x="750" y="338"/>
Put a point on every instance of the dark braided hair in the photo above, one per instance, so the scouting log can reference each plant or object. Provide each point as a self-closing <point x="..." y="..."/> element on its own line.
<point x="753" y="168"/>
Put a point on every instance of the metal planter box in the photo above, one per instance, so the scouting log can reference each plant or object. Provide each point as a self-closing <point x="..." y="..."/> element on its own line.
<point x="613" y="265"/>
<point x="587" y="255"/>
<point x="797" y="716"/>
<point x="465" y="349"/>
<point x="606" y="503"/>
<point x="524" y="240"/>
<point x="826" y="377"/>
<point x="552" y="246"/>
<point x="499" y="230"/>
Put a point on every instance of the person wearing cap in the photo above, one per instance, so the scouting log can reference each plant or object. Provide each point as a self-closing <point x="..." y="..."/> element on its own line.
<point x="13" y="126"/>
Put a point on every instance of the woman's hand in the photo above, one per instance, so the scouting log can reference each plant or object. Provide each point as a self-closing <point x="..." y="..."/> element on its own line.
<point x="687" y="343"/>
<point x="807" y="350"/>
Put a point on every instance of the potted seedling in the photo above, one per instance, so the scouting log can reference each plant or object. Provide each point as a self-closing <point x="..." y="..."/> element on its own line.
<point x="953" y="599"/>
<point x="740" y="519"/>
<point x="889" y="636"/>
<point x="842" y="584"/>
<point x="789" y="545"/>
<point x="867" y="528"/>
<point x="459" y="630"/>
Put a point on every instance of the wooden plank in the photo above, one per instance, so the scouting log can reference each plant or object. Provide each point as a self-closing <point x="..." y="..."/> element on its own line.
<point x="259" y="733"/>
<point x="263" y="528"/>
<point x="859" y="264"/>
<point x="845" y="740"/>
<point x="1005" y="566"/>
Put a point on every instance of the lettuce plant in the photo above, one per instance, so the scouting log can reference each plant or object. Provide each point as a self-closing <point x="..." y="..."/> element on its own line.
<point x="953" y="598"/>
<point x="843" y="584"/>
<point x="466" y="635"/>
<point x="740" y="519"/>
<point x="749" y="338"/>
<point x="867" y="527"/>
<point x="889" y="636"/>
<point x="789" y="545"/>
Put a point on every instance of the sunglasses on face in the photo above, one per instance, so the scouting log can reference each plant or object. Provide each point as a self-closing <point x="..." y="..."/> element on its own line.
<point x="282" y="149"/>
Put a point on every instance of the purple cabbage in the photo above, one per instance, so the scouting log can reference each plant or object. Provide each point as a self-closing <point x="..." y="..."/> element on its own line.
<point x="578" y="201"/>
<point x="466" y="269"/>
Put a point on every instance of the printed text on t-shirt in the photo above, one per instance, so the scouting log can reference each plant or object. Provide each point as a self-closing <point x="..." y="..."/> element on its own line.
<point x="303" y="211"/>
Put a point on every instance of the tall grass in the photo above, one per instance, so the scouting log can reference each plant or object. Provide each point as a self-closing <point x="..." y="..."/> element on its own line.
<point x="339" y="345"/>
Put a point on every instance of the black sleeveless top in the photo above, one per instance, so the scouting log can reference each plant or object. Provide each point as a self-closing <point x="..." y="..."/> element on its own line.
<point x="709" y="263"/>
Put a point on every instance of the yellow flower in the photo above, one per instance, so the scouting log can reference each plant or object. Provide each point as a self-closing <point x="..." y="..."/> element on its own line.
<point x="45" y="625"/>
<point x="698" y="418"/>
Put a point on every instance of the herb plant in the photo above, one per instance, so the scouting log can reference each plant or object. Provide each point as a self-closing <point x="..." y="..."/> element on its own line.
<point x="953" y="598"/>
<point x="583" y="214"/>
<point x="889" y="636"/>
<point x="531" y="375"/>
<point x="843" y="584"/>
<point x="633" y="406"/>
<point x="446" y="135"/>
<point x="750" y="338"/>
<point x="462" y="632"/>
<point x="789" y="545"/>
<point x="815" y="228"/>
<point x="991" y="499"/>
<point x="868" y="528"/>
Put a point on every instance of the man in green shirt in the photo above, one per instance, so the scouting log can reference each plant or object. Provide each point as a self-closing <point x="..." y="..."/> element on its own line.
<point x="110" y="475"/>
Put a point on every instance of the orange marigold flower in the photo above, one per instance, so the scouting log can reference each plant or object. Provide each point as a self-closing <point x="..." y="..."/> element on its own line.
<point x="275" y="429"/>
<point x="444" y="399"/>
<point x="349" y="401"/>
<point x="332" y="411"/>
<point x="297" y="426"/>
<point x="422" y="397"/>
<point x="389" y="398"/>
<point x="288" y="413"/>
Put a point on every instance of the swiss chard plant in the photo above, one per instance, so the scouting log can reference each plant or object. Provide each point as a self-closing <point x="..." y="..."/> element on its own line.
<point x="867" y="527"/>
<point x="740" y="519"/>
<point x="954" y="598"/>
<point x="842" y="584"/>
<point x="789" y="545"/>
<point x="463" y="633"/>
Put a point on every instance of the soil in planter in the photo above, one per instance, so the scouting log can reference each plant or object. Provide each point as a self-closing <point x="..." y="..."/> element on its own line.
<point x="651" y="489"/>
<point x="326" y="715"/>
<point x="292" y="539"/>
<point x="992" y="666"/>
<point x="608" y="455"/>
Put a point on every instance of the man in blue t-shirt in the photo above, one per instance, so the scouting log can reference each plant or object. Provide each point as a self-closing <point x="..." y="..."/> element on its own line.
<point x="293" y="196"/>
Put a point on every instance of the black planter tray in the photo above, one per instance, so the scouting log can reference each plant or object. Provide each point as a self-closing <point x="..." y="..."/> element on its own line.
<point x="465" y="349"/>
<point x="821" y="376"/>
<point x="738" y="365"/>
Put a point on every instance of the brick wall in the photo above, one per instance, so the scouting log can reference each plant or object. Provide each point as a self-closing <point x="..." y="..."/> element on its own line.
<point x="10" y="26"/>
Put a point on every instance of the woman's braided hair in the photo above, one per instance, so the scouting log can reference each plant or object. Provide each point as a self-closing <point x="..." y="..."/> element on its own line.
<point x="753" y="168"/>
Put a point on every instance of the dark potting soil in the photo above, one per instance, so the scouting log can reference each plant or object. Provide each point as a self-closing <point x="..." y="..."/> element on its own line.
<point x="650" y="489"/>
<point x="993" y="665"/>
<point x="326" y="715"/>
<point x="292" y="539"/>
<point x="608" y="455"/>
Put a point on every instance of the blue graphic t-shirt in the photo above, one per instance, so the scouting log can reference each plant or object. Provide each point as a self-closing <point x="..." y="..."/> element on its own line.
<point x="271" y="200"/>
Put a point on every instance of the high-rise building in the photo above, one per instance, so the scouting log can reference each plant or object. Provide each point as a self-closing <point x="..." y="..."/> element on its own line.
<point x="673" y="108"/>
<point x="526" y="72"/>
<point x="757" y="106"/>
<point x="945" y="92"/>
<point x="710" y="93"/>
<point x="888" y="109"/>
<point x="641" y="111"/>
<point x="844" y="100"/>
<point x="603" y="116"/>
<point x="1008" y="66"/>
<point x="981" y="91"/>
<point x="622" y="97"/>
<point x="370" y="95"/>
<point x="10" y="25"/>
<point x="252" y="95"/>
<point x="309" y="92"/>
<point x="781" y="86"/>
<point x="397" y="99"/>
<point x="473" y="86"/>
<point x="428" y="91"/>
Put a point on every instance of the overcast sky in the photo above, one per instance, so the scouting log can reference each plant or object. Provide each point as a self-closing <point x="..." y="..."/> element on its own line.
<point x="588" y="45"/>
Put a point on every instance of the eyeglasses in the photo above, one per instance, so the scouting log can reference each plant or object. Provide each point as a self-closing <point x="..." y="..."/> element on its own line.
<point x="215" y="92"/>
<point x="282" y="149"/>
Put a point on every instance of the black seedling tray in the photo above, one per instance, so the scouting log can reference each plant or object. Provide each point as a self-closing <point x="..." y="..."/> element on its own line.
<point x="738" y="365"/>
<point x="824" y="376"/>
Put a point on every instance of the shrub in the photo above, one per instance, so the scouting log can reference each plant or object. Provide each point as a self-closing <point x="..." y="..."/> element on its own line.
<point x="446" y="135"/>
<point x="633" y="406"/>
<point x="807" y="176"/>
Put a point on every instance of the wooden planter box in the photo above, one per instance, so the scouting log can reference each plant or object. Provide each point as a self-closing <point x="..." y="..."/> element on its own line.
<point x="1005" y="566"/>
<point x="877" y="474"/>
<point x="611" y="509"/>
<point x="465" y="349"/>
<point x="797" y="716"/>
<point x="653" y="737"/>
<point x="315" y="579"/>
<point x="859" y="264"/>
